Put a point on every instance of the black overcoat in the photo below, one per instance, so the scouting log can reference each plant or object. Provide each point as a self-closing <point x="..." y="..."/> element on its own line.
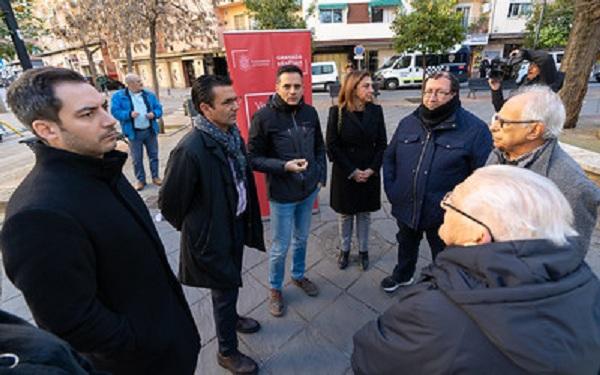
<point x="356" y="145"/>
<point x="80" y="244"/>
<point x="199" y="198"/>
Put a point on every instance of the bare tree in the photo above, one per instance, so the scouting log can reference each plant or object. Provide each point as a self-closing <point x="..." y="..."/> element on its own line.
<point x="175" y="20"/>
<point x="76" y="22"/>
<point x="581" y="52"/>
<point x="123" y="26"/>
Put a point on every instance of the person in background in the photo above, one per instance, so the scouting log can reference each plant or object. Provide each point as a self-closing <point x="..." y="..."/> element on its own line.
<point x="541" y="71"/>
<point x="138" y="111"/>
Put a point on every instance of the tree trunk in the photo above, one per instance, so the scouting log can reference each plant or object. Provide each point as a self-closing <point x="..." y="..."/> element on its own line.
<point x="3" y="107"/>
<point x="90" y="58"/>
<point x="129" y="55"/>
<point x="161" y="124"/>
<point x="580" y="55"/>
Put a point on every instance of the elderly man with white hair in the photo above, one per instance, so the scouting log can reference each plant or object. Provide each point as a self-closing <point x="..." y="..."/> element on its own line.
<point x="525" y="133"/>
<point x="507" y="296"/>
<point x="138" y="111"/>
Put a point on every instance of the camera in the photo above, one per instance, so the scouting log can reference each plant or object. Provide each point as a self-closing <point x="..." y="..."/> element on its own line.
<point x="505" y="69"/>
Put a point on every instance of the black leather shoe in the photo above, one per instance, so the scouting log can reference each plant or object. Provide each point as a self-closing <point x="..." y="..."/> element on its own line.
<point x="247" y="325"/>
<point x="364" y="260"/>
<point x="343" y="259"/>
<point x="238" y="363"/>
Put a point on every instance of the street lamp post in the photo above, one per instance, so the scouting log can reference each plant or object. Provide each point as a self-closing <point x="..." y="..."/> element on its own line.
<point x="539" y="25"/>
<point x="15" y="34"/>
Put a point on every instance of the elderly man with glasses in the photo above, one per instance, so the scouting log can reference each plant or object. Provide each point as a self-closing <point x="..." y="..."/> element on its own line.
<point x="509" y="295"/>
<point x="433" y="149"/>
<point x="525" y="134"/>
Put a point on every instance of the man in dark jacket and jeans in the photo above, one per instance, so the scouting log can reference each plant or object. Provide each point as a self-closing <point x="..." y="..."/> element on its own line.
<point x="433" y="149"/>
<point x="79" y="242"/>
<point x="286" y="143"/>
<point x="509" y="295"/>
<point x="209" y="195"/>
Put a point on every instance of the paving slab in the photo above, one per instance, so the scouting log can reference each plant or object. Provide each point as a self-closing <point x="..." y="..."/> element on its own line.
<point x="309" y="307"/>
<point x="340" y="320"/>
<point x="308" y="353"/>
<point x="274" y="332"/>
<point x="367" y="290"/>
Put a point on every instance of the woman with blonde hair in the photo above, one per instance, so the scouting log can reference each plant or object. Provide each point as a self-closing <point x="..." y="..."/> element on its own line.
<point x="356" y="140"/>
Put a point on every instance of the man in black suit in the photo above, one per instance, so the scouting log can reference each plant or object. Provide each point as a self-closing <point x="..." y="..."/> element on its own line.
<point x="79" y="242"/>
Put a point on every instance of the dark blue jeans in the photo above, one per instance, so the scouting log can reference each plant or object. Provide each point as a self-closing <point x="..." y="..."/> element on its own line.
<point x="148" y="138"/>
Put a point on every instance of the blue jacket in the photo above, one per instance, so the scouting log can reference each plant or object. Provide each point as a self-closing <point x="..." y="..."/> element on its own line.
<point x="420" y="165"/>
<point x="121" y="107"/>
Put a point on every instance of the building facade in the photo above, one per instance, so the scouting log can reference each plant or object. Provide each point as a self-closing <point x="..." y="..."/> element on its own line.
<point x="340" y="25"/>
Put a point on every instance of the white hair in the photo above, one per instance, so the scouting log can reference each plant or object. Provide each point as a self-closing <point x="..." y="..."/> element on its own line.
<point x="518" y="204"/>
<point x="130" y="77"/>
<point x="545" y="105"/>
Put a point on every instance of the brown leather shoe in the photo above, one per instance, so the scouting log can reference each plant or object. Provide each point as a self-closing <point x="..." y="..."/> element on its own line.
<point x="247" y="325"/>
<point x="238" y="363"/>
<point x="157" y="181"/>
<point x="276" y="305"/>
<point x="307" y="286"/>
<point x="139" y="185"/>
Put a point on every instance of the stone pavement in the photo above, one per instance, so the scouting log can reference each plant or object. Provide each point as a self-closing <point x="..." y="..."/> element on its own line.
<point x="315" y="335"/>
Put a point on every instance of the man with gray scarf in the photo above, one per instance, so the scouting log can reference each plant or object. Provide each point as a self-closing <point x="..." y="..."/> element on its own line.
<point x="209" y="195"/>
<point x="525" y="133"/>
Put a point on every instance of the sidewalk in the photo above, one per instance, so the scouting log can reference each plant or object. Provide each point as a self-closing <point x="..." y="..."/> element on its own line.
<point x="315" y="335"/>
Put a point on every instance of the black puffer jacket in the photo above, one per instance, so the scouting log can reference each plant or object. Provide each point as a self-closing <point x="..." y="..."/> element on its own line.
<point x="523" y="307"/>
<point x="548" y="76"/>
<point x="280" y="133"/>
<point x="26" y="349"/>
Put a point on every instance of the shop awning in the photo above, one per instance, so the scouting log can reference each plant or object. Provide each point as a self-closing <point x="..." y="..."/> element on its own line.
<point x="385" y="3"/>
<point x="333" y="6"/>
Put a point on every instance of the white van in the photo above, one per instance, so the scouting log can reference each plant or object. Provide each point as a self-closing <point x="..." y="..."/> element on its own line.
<point x="324" y="74"/>
<point x="407" y="69"/>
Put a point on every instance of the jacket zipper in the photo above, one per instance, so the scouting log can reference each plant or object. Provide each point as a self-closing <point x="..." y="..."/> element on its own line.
<point x="415" y="179"/>
<point x="298" y="151"/>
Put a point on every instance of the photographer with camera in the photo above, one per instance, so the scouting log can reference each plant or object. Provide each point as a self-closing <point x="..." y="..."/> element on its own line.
<point x="542" y="71"/>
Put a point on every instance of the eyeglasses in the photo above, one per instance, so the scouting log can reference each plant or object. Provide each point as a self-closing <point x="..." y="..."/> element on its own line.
<point x="501" y="122"/>
<point x="445" y="203"/>
<point x="436" y="93"/>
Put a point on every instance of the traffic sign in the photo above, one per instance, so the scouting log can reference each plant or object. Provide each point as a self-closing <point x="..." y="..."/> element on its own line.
<point x="359" y="50"/>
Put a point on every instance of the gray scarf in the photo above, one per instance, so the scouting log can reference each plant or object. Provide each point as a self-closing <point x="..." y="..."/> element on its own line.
<point x="231" y="141"/>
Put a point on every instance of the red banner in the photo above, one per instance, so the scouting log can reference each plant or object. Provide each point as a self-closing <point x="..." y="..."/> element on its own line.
<point x="253" y="58"/>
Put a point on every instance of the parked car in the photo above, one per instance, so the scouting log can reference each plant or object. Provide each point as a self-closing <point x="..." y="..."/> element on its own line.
<point x="324" y="74"/>
<point x="109" y="83"/>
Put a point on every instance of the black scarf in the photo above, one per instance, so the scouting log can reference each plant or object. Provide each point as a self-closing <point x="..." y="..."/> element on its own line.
<point x="231" y="142"/>
<point x="431" y="118"/>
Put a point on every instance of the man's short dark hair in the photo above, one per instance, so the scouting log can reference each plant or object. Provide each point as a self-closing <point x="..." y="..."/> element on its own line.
<point x="288" y="69"/>
<point x="31" y="97"/>
<point x="454" y="83"/>
<point x="202" y="89"/>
